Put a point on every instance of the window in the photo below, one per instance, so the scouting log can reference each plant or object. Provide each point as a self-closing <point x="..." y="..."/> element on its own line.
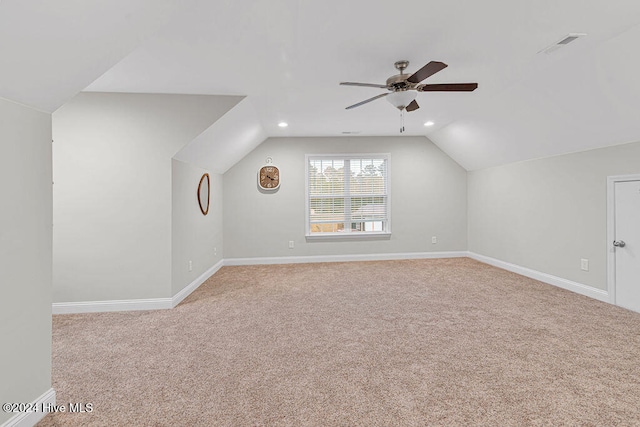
<point x="348" y="195"/>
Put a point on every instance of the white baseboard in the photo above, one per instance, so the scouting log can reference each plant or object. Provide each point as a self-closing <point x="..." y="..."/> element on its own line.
<point x="177" y="298"/>
<point x="167" y="303"/>
<point x="342" y="258"/>
<point x="111" y="305"/>
<point x="134" y="304"/>
<point x="576" y="287"/>
<point x="29" y="419"/>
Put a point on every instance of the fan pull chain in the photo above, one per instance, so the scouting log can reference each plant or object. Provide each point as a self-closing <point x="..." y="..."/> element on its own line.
<point x="401" y="121"/>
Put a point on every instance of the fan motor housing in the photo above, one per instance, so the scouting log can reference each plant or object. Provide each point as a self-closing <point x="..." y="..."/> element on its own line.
<point x="399" y="82"/>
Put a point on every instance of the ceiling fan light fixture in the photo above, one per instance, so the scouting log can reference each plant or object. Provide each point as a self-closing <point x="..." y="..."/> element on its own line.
<point x="402" y="98"/>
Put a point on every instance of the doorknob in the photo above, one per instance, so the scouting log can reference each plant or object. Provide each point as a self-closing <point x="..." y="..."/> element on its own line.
<point x="619" y="243"/>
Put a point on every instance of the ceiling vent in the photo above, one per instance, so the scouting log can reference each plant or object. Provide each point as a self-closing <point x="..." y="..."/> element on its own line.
<point x="571" y="37"/>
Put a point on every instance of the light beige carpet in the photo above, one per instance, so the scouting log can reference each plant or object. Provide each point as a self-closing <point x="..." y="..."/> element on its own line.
<point x="394" y="343"/>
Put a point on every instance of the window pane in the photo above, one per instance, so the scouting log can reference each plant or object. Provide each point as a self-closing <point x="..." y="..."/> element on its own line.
<point x="367" y="226"/>
<point x="327" y="228"/>
<point x="351" y="191"/>
<point x="368" y="208"/>
<point x="326" y="209"/>
<point x="326" y="177"/>
<point x="368" y="176"/>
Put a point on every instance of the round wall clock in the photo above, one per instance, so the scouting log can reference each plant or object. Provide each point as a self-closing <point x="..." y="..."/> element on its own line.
<point x="269" y="176"/>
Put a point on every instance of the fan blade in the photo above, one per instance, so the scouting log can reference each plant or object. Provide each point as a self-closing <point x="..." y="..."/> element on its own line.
<point x="363" y="84"/>
<point x="366" y="101"/>
<point x="428" y="70"/>
<point x="413" y="105"/>
<point x="449" y="87"/>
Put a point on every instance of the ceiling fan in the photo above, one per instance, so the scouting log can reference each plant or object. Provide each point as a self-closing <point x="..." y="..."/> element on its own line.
<point x="403" y="87"/>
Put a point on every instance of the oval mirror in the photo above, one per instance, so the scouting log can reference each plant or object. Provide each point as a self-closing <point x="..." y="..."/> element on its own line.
<point x="203" y="194"/>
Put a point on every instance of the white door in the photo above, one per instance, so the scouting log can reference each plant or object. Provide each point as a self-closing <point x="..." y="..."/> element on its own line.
<point x="627" y="244"/>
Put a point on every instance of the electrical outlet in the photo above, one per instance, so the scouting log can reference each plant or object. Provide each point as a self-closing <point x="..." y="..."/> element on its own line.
<point x="584" y="264"/>
<point x="190" y="265"/>
<point x="290" y="244"/>
<point x="434" y="240"/>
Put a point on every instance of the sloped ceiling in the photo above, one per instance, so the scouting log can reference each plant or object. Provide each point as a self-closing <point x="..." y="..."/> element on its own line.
<point x="578" y="100"/>
<point x="51" y="50"/>
<point x="288" y="56"/>
<point x="227" y="141"/>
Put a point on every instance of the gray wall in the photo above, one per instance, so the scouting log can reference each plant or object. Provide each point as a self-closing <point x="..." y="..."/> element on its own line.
<point x="112" y="194"/>
<point x="549" y="213"/>
<point x="195" y="237"/>
<point x="25" y="254"/>
<point x="428" y="198"/>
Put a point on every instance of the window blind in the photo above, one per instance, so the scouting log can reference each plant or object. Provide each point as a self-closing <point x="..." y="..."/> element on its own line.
<point x="347" y="194"/>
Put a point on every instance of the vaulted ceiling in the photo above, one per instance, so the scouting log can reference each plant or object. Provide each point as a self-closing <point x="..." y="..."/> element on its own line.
<point x="288" y="56"/>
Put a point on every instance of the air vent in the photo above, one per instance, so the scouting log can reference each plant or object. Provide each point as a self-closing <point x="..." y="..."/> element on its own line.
<point x="353" y="132"/>
<point x="568" y="39"/>
<point x="562" y="42"/>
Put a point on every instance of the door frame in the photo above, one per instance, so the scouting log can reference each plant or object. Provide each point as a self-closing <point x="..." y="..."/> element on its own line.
<point x="611" y="231"/>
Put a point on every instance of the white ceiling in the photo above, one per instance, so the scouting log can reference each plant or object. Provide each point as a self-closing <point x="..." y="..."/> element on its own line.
<point x="51" y="50"/>
<point x="288" y="56"/>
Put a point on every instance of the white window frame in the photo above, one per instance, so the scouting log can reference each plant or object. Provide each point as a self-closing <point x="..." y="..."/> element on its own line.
<point x="361" y="235"/>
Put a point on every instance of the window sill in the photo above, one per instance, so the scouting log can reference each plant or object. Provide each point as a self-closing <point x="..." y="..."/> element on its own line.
<point x="347" y="236"/>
